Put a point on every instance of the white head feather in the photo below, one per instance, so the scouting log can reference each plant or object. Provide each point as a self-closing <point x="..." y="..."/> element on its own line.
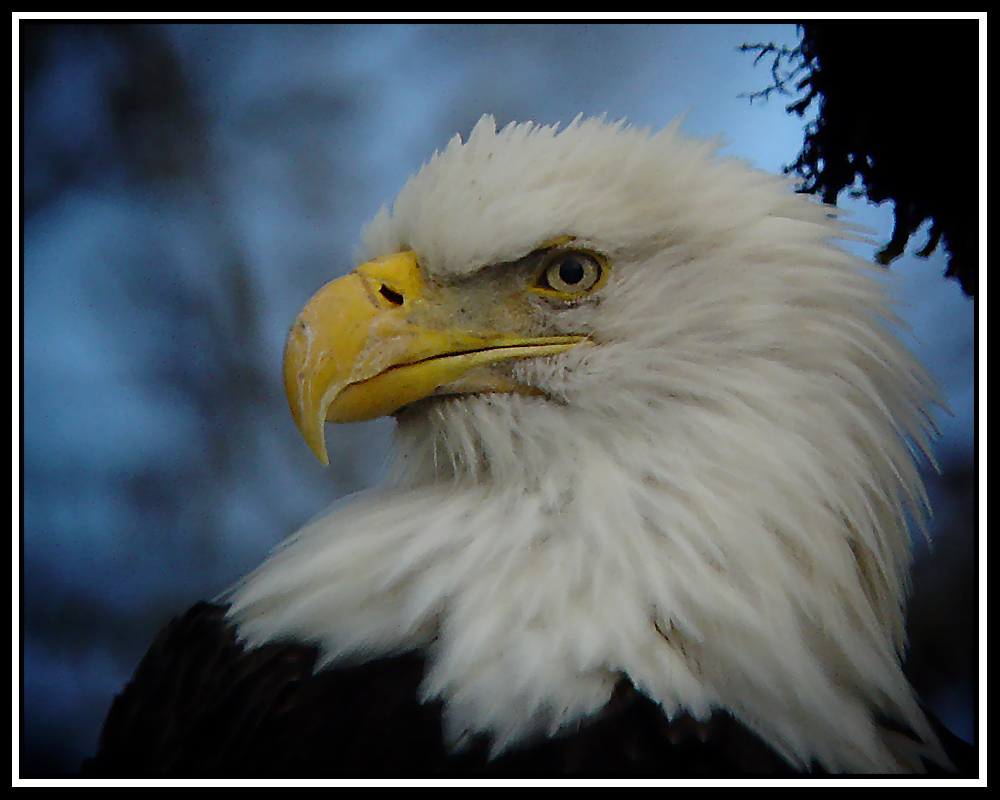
<point x="712" y="500"/>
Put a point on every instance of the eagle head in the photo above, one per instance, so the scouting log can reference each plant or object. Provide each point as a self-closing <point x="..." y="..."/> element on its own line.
<point x="652" y="424"/>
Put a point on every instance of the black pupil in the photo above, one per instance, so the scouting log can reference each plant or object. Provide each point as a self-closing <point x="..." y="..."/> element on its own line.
<point x="571" y="271"/>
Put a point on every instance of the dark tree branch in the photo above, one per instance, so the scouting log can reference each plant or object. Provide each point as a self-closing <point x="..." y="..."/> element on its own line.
<point x="897" y="120"/>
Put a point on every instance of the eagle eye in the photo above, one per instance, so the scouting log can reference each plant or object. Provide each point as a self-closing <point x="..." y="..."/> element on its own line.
<point x="572" y="273"/>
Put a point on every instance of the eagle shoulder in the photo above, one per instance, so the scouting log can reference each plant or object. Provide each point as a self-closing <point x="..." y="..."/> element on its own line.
<point x="200" y="704"/>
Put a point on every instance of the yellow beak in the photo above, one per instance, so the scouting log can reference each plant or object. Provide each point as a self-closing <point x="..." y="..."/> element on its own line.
<point x="375" y="340"/>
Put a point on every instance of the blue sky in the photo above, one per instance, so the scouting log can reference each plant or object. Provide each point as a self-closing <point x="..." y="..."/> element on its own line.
<point x="139" y="497"/>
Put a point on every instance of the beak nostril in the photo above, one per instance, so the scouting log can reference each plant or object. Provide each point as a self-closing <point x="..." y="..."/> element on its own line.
<point x="393" y="297"/>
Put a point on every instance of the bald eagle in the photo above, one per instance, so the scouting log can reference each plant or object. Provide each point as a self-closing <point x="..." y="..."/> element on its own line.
<point x="654" y="456"/>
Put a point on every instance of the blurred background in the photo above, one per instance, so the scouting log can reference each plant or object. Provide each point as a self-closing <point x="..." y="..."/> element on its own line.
<point x="186" y="187"/>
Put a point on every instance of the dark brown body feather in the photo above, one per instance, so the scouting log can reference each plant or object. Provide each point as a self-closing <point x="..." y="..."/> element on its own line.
<point x="201" y="705"/>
